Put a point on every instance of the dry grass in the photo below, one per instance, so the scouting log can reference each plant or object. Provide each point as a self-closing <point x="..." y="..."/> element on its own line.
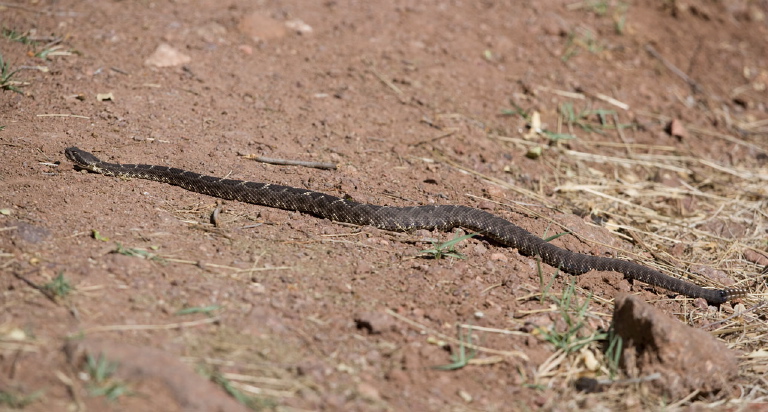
<point x="715" y="212"/>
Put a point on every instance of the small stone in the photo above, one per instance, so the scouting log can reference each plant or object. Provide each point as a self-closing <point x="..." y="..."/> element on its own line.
<point x="212" y="32"/>
<point x="494" y="191"/>
<point x="246" y="49"/>
<point x="299" y="26"/>
<point x="534" y="152"/>
<point x="105" y="96"/>
<point x="257" y="288"/>
<point x="486" y="205"/>
<point x="167" y="56"/>
<point x="499" y="257"/>
<point x="15" y="334"/>
<point x="589" y="359"/>
<point x="464" y="395"/>
<point x="677" y="129"/>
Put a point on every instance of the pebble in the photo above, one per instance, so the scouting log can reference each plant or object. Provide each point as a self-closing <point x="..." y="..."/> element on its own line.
<point x="299" y="26"/>
<point x="494" y="191"/>
<point x="499" y="257"/>
<point x="166" y="56"/>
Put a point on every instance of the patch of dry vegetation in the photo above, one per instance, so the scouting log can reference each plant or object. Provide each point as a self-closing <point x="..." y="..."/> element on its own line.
<point x="689" y="216"/>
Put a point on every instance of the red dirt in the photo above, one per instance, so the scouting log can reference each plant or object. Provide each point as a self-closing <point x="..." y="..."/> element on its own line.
<point x="397" y="94"/>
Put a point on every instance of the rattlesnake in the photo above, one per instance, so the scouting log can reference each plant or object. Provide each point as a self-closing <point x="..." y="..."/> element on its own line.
<point x="442" y="217"/>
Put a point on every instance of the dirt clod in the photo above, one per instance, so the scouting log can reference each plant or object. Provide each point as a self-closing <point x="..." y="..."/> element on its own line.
<point x="135" y="364"/>
<point x="688" y="359"/>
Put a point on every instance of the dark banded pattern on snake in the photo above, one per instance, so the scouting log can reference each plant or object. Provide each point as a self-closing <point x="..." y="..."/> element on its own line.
<point x="442" y="217"/>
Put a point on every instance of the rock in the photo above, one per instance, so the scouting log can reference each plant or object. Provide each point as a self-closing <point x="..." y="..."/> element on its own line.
<point x="299" y="26"/>
<point x="756" y="257"/>
<point x="499" y="257"/>
<point x="486" y="205"/>
<point x="27" y="232"/>
<point x="212" y="32"/>
<point x="167" y="56"/>
<point x="136" y="364"/>
<point x="246" y="49"/>
<point x="687" y="359"/>
<point x="677" y="129"/>
<point x="494" y="191"/>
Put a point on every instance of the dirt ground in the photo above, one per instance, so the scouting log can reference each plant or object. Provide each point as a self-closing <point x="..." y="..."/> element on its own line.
<point x="640" y="126"/>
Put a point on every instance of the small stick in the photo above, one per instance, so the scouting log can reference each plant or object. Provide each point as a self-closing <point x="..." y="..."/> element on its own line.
<point x="119" y="70"/>
<point x="16" y="6"/>
<point x="627" y="146"/>
<point x="47" y="293"/>
<point x="612" y="101"/>
<point x="178" y="325"/>
<point x="287" y="162"/>
<point x="695" y="86"/>
<point x="62" y="115"/>
<point x="387" y="82"/>
<point x="449" y="132"/>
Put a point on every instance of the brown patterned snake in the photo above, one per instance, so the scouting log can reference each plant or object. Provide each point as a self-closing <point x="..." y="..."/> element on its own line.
<point x="442" y="217"/>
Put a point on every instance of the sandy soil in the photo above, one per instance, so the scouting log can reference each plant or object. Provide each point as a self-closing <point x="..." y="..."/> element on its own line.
<point x="416" y="102"/>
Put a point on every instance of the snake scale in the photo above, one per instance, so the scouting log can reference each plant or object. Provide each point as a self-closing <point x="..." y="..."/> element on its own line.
<point x="442" y="217"/>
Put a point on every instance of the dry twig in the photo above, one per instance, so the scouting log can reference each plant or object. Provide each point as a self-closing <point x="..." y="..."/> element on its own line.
<point x="288" y="162"/>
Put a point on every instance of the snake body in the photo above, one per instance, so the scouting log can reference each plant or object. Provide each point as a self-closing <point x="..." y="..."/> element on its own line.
<point x="442" y="217"/>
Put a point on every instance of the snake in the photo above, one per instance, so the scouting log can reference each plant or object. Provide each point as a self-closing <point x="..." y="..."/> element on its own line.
<point x="400" y="219"/>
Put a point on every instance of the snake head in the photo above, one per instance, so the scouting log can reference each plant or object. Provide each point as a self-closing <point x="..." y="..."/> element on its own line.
<point x="81" y="158"/>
